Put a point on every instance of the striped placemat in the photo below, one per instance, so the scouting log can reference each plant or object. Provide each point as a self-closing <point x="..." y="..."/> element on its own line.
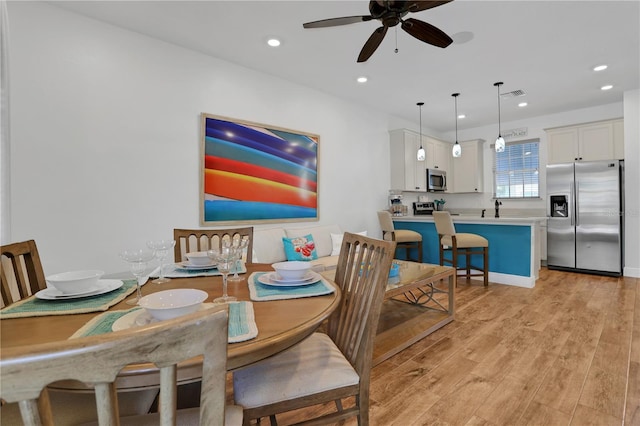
<point x="242" y="324"/>
<point x="34" y="307"/>
<point x="261" y="292"/>
<point x="175" y="271"/>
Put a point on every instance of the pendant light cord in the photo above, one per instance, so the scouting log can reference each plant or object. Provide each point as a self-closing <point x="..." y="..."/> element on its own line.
<point x="455" y="98"/>
<point x="499" y="121"/>
<point x="456" y="151"/>
<point x="420" y="108"/>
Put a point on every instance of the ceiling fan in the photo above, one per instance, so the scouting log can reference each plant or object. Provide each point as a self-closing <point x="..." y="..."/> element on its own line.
<point x="390" y="13"/>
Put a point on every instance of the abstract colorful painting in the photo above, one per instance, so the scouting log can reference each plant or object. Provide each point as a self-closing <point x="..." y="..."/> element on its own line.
<point x="254" y="172"/>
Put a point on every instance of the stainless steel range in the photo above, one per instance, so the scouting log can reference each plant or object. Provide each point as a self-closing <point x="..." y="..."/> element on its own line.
<point x="423" y="208"/>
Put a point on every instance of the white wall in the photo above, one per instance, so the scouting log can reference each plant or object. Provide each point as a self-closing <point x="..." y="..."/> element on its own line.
<point x="105" y="140"/>
<point x="106" y="137"/>
<point x="632" y="182"/>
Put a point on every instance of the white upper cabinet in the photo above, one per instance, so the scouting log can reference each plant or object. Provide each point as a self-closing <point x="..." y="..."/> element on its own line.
<point x="468" y="169"/>
<point x="588" y="142"/>
<point x="438" y="154"/>
<point x="407" y="173"/>
<point x="562" y="145"/>
<point x="595" y="142"/>
<point x="618" y="139"/>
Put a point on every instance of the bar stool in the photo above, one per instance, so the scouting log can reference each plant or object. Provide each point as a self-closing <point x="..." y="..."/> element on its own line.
<point x="461" y="243"/>
<point x="403" y="237"/>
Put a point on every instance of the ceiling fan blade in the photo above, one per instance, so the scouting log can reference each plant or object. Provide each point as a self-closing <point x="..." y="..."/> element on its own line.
<point x="417" y="6"/>
<point x="334" y="22"/>
<point x="426" y="32"/>
<point x="372" y="44"/>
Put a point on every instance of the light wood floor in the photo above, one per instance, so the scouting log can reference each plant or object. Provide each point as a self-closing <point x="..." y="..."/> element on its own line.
<point x="566" y="352"/>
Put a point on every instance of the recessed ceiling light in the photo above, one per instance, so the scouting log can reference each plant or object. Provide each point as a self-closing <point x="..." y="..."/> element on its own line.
<point x="600" y="68"/>
<point x="273" y="42"/>
<point x="607" y="87"/>
<point x="362" y="79"/>
<point x="462" y="116"/>
<point x="522" y="104"/>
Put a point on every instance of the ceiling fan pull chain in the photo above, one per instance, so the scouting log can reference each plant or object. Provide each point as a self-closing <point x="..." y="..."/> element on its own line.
<point x="396" y="28"/>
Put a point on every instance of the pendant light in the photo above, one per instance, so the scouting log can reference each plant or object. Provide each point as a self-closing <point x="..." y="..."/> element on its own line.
<point x="456" y="151"/>
<point x="500" y="140"/>
<point x="421" y="154"/>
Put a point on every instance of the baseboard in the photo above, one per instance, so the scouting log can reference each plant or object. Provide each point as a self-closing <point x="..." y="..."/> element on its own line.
<point x="631" y="272"/>
<point x="514" y="280"/>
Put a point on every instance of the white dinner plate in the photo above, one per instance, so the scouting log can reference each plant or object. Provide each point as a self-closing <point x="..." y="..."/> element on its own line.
<point x="276" y="278"/>
<point x="268" y="279"/>
<point x="141" y="317"/>
<point x="103" y="286"/>
<point x="309" y="276"/>
<point x="54" y="292"/>
<point x="188" y="265"/>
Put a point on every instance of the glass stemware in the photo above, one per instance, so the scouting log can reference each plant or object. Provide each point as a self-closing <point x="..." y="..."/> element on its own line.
<point x="161" y="248"/>
<point x="238" y="250"/>
<point x="138" y="260"/>
<point x="224" y="259"/>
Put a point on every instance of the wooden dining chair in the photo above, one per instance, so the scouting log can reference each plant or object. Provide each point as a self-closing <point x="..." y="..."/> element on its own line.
<point x="464" y="244"/>
<point x="403" y="237"/>
<point x="190" y="240"/>
<point x="327" y="367"/>
<point x="21" y="272"/>
<point x="96" y="361"/>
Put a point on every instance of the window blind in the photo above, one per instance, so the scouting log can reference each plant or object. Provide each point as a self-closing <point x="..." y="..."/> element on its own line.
<point x="516" y="170"/>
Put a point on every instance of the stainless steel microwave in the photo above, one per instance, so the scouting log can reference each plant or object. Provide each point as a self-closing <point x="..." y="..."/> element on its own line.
<point x="436" y="180"/>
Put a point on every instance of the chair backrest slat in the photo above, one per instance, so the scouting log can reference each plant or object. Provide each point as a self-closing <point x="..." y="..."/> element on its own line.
<point x="97" y="360"/>
<point x="362" y="275"/>
<point x="190" y="240"/>
<point x="21" y="272"/>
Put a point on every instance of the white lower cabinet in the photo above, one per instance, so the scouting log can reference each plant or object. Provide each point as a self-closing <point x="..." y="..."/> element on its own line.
<point x="543" y="241"/>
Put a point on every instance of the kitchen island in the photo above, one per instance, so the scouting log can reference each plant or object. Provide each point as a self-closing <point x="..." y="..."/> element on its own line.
<point x="514" y="244"/>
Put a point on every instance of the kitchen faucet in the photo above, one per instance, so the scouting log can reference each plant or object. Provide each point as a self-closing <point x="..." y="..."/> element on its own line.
<point x="498" y="204"/>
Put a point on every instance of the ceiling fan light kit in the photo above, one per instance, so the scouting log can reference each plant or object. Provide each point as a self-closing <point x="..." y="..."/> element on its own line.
<point x="391" y="13"/>
<point x="456" y="151"/>
<point x="500" y="145"/>
<point x="421" y="153"/>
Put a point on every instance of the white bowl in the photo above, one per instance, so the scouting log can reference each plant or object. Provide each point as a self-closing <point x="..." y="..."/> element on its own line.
<point x="75" y="281"/>
<point x="199" y="258"/>
<point x="292" y="270"/>
<point x="169" y="304"/>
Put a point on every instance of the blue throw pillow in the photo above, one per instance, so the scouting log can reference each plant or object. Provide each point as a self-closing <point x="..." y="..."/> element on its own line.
<point x="300" y="248"/>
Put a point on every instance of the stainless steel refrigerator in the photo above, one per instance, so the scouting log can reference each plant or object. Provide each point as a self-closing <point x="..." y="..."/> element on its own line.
<point x="585" y="219"/>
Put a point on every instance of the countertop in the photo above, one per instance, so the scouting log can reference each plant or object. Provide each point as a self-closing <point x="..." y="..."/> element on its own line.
<point x="488" y="219"/>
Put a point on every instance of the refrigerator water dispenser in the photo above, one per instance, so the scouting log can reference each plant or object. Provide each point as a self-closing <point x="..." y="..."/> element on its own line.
<point x="559" y="206"/>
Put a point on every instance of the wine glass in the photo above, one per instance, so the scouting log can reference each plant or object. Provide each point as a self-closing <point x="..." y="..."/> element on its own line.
<point x="238" y="250"/>
<point x="224" y="259"/>
<point x="138" y="260"/>
<point x="161" y="248"/>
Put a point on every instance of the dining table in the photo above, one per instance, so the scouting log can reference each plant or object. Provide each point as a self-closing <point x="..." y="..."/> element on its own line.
<point x="281" y="323"/>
